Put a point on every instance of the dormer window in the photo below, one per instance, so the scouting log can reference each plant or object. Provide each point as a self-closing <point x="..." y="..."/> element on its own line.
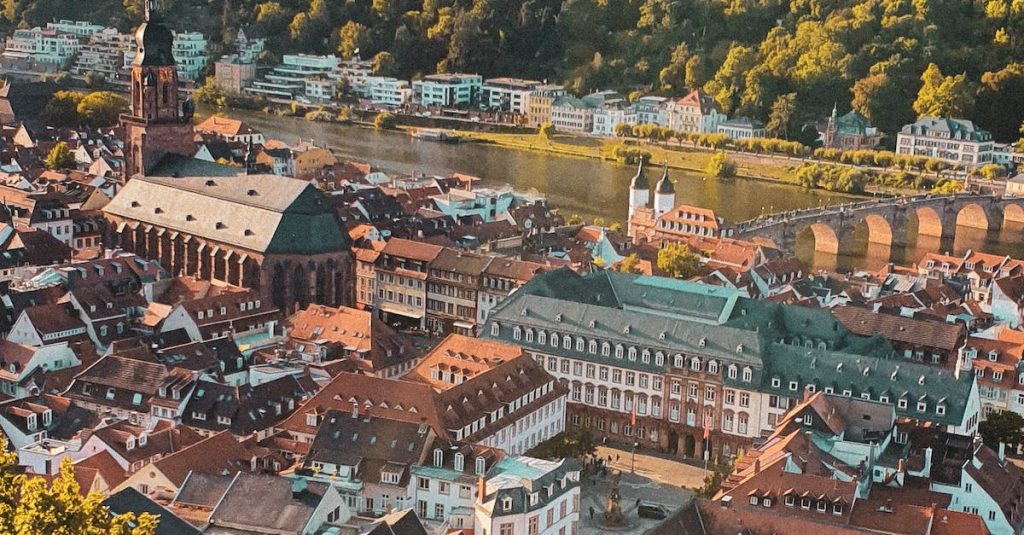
<point x="481" y="466"/>
<point x="460" y="461"/>
<point x="534" y="498"/>
<point x="142" y="439"/>
<point x="47" y="417"/>
<point x="130" y="444"/>
<point x="438" y="457"/>
<point x="993" y="355"/>
<point x="31" y="423"/>
<point x="506" y="504"/>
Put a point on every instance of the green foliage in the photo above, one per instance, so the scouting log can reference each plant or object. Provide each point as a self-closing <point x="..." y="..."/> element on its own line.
<point x="948" y="187"/>
<point x="62" y="109"/>
<point x="781" y="118"/>
<point x="992" y="171"/>
<point x="575" y="444"/>
<point x="28" y="506"/>
<point x="320" y="115"/>
<point x="60" y="157"/>
<point x="212" y="94"/>
<point x="625" y="154"/>
<point x="385" y="121"/>
<point x="574" y="219"/>
<point x="630" y="264"/>
<point x="676" y="260"/>
<point x="547" y="131"/>
<point x="831" y="178"/>
<point x="1003" y="426"/>
<point x="721" y="166"/>
<point x="101" y="109"/>
<point x="944" y="96"/>
<point x="717" y="473"/>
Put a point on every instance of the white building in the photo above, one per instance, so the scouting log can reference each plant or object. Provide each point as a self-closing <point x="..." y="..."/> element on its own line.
<point x="456" y="89"/>
<point x="78" y="28"/>
<point x="382" y="90"/>
<point x="42" y="46"/>
<point x="957" y="141"/>
<point x="288" y="80"/>
<point x="608" y="117"/>
<point x="742" y="128"/>
<point x="695" y="113"/>
<point x="508" y="94"/>
<point x="104" y="53"/>
<point x="189" y="50"/>
<point x="529" y="496"/>
<point x="571" y="114"/>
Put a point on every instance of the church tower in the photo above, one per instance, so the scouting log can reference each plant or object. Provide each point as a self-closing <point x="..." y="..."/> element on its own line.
<point x="664" y="195"/>
<point x="159" y="123"/>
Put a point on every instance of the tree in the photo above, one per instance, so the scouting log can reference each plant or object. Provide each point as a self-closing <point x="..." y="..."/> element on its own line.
<point x="630" y="264"/>
<point x="101" y="109"/>
<point x="383" y="64"/>
<point x="615" y="227"/>
<point x="992" y="171"/>
<point x="29" y="507"/>
<point x="576" y="444"/>
<point x="385" y="121"/>
<point x="678" y="262"/>
<point x="881" y="100"/>
<point x="547" y="131"/>
<point x="60" y="157"/>
<point x="62" y="109"/>
<point x="948" y="187"/>
<point x="1002" y="427"/>
<point x="721" y="166"/>
<point x="353" y="39"/>
<point x="623" y="130"/>
<point x="781" y="115"/>
<point x="574" y="219"/>
<point x="943" y="96"/>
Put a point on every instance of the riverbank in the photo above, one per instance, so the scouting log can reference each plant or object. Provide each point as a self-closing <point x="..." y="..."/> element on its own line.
<point x="770" y="168"/>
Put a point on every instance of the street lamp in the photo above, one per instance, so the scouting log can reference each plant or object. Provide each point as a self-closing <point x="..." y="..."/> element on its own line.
<point x="632" y="458"/>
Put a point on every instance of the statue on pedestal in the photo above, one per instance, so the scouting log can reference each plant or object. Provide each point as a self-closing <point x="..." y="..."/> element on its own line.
<point x="613" y="512"/>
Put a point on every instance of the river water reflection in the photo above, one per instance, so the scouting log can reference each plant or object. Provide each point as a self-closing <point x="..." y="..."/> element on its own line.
<point x="594" y="188"/>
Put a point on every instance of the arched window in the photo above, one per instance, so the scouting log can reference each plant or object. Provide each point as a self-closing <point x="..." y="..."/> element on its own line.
<point x="567" y="342"/>
<point x="618" y="351"/>
<point x="659" y="358"/>
<point x="554" y="339"/>
<point x="542" y="337"/>
<point x="529" y="335"/>
<point x="606" y="350"/>
<point x="677" y="361"/>
<point x="732" y="371"/>
<point x="592" y="347"/>
<point x="645" y="357"/>
<point x="495" y="329"/>
<point x="712" y="367"/>
<point x="517" y="333"/>
<point x="632" y="353"/>
<point x="695" y="364"/>
<point x="580" y="344"/>
<point x="748" y="375"/>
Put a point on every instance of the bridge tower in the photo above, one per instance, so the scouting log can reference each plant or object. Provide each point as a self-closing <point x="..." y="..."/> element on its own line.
<point x="664" y="195"/>
<point x="639" y="190"/>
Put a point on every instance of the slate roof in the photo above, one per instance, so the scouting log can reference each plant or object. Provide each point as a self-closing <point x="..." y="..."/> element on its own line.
<point x="894" y="378"/>
<point x="368" y="443"/>
<point x="130" y="500"/>
<point x="948" y="128"/>
<point x="259" y="502"/>
<point x="262" y="213"/>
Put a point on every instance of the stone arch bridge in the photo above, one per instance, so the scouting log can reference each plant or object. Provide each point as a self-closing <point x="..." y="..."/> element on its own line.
<point x="887" y="220"/>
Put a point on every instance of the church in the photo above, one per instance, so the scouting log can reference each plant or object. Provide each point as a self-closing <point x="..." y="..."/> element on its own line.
<point x="273" y="234"/>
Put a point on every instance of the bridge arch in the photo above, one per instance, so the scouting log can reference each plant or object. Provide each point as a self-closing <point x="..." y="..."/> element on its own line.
<point x="972" y="215"/>
<point x="825" y="238"/>
<point x="929" y="223"/>
<point x="1013" y="213"/>
<point x="879" y="229"/>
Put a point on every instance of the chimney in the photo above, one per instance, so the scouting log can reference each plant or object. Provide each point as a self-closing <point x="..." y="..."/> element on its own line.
<point x="901" y="466"/>
<point x="1002" y="453"/>
<point x="481" y="489"/>
<point x="757" y="466"/>
<point x="927" y="461"/>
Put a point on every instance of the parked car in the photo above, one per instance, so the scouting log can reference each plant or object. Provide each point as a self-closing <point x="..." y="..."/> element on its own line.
<point x="652" y="510"/>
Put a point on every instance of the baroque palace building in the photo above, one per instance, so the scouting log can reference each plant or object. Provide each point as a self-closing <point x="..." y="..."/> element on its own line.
<point x="687" y="368"/>
<point x="273" y="234"/>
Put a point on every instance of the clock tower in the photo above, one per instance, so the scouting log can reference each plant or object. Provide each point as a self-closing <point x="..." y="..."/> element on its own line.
<point x="159" y="122"/>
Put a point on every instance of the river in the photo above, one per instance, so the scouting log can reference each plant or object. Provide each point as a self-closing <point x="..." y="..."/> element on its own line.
<point x="593" y="188"/>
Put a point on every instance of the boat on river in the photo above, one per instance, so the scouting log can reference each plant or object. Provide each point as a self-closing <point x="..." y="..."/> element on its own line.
<point x="434" y="134"/>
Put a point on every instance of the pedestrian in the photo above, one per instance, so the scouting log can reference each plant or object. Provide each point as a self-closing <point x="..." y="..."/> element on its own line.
<point x="638" y="503"/>
<point x="616" y="457"/>
<point x="591" y="512"/>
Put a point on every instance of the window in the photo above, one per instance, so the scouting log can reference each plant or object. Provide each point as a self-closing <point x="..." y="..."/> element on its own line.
<point x="776" y="382"/>
<point x="922" y="406"/>
<point x="732" y="371"/>
<point x="438" y="457"/>
<point x="822" y="505"/>
<point x="902" y="403"/>
<point x="713" y="367"/>
<point x="748" y="375"/>
<point x="506" y="505"/>
<point x="790" y="500"/>
<point x="730" y="397"/>
<point x="695" y="364"/>
<point x="744" y="399"/>
<point x="443" y="487"/>
<point x="423" y="483"/>
<point x="805" y="503"/>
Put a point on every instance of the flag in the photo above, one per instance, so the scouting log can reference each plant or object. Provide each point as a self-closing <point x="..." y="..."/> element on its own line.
<point x="632" y="417"/>
<point x="707" y="433"/>
<point x="708" y="422"/>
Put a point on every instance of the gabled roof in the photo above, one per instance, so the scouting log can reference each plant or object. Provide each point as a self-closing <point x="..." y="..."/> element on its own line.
<point x="130" y="500"/>
<point x="262" y="213"/>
